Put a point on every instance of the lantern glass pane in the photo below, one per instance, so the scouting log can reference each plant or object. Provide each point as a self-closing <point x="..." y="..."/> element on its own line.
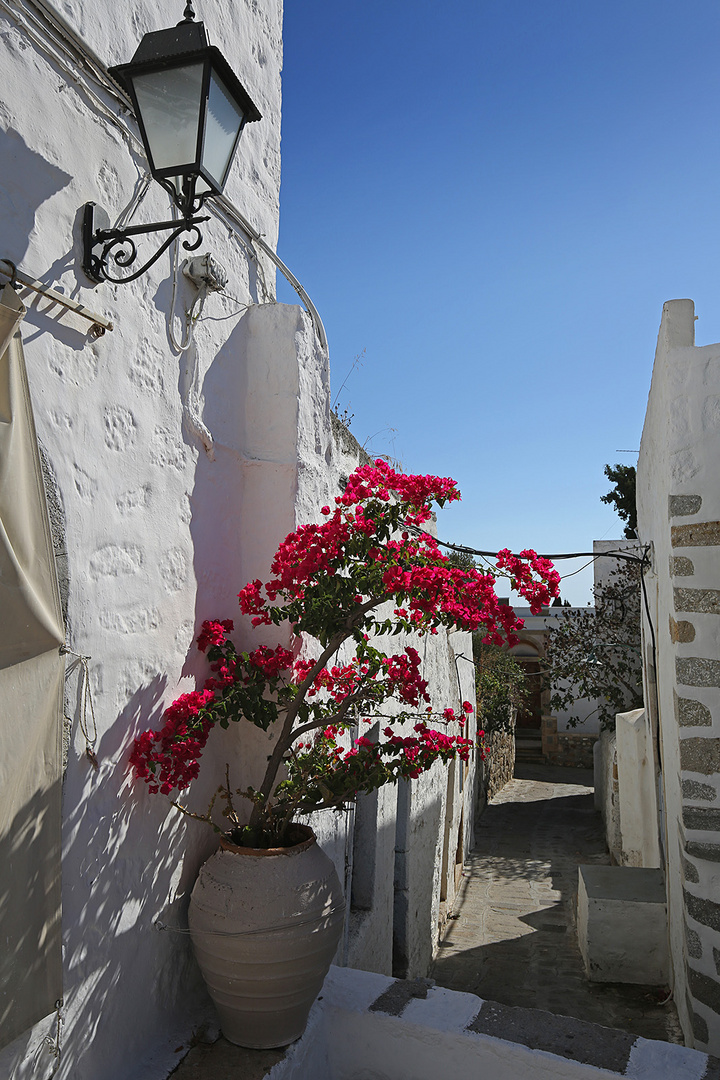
<point x="169" y="103"/>
<point x="224" y="120"/>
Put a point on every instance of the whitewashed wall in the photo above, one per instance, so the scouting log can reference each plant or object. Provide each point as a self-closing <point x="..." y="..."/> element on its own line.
<point x="160" y="533"/>
<point x="153" y="527"/>
<point x="678" y="498"/>
<point x="416" y="827"/>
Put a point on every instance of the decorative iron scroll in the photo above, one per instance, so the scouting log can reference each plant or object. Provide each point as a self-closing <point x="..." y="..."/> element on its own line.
<point x="118" y="248"/>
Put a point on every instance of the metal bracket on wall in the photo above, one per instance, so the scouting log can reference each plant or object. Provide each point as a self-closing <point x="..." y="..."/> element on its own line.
<point x="17" y="277"/>
<point x="118" y="246"/>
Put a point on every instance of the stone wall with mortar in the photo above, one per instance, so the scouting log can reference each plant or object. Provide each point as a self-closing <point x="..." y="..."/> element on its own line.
<point x="678" y="498"/>
<point x="499" y="763"/>
<point x="165" y="519"/>
<point x="572" y="749"/>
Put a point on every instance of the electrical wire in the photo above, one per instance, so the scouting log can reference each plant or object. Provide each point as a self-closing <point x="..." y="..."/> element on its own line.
<point x="191" y="318"/>
<point x="65" y="41"/>
<point x="592" y="555"/>
<point x="141" y="190"/>
<point x="645" y="563"/>
<point x="68" y="53"/>
<point x="223" y="203"/>
<point x="56" y="38"/>
<point x="564" y="577"/>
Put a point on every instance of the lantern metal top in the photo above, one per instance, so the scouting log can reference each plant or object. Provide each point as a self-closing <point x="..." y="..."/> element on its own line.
<point x="185" y="42"/>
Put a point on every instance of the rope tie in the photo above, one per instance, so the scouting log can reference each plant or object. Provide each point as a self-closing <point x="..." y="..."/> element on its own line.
<point x="89" y="731"/>
<point x="52" y="1044"/>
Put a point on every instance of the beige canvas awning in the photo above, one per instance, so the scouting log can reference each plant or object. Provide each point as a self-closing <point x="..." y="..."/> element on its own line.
<point x="31" y="707"/>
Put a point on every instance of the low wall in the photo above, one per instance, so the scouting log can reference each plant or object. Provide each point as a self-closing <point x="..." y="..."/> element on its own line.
<point x="574" y="750"/>
<point x="637" y="790"/>
<point x="625" y="791"/>
<point x="499" y="763"/>
<point x="607" y="791"/>
<point x="622" y="924"/>
<point x="367" y="1025"/>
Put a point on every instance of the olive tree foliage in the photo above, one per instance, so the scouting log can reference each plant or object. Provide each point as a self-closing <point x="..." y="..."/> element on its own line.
<point x="500" y="685"/>
<point x="595" y="653"/>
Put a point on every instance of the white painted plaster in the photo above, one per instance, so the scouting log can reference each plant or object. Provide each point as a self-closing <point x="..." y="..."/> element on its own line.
<point x="429" y="1039"/>
<point x="447" y="1010"/>
<point x="536" y="631"/>
<point x="622" y="927"/>
<point x="636" y="781"/>
<point x="679" y="451"/>
<point x="161" y="537"/>
<point x="649" y="1060"/>
<point x="143" y="570"/>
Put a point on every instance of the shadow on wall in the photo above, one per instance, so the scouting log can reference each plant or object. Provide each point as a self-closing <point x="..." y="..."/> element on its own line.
<point x="135" y="866"/>
<point x="217" y="499"/>
<point x="28" y="181"/>
<point x="26" y="934"/>
<point x="122" y="871"/>
<point x="415" y="918"/>
<point x="242" y="506"/>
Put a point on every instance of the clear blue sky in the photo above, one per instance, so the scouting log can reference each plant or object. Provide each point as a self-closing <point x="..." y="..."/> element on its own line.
<point x="493" y="199"/>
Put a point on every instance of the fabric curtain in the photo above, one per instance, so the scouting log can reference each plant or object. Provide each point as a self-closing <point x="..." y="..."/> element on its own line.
<point x="31" y="707"/>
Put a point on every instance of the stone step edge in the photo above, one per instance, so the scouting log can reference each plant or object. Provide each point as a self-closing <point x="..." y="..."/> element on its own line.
<point x="425" y="1005"/>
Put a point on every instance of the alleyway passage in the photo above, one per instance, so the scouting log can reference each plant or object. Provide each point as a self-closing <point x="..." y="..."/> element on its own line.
<point x="513" y="936"/>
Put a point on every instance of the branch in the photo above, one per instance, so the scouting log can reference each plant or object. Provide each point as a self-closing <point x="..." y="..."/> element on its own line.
<point x="286" y="737"/>
<point x="337" y="717"/>
<point x="205" y="818"/>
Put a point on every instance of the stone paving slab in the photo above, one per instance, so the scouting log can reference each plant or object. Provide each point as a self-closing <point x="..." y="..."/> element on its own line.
<point x="222" y="1060"/>
<point x="513" y="936"/>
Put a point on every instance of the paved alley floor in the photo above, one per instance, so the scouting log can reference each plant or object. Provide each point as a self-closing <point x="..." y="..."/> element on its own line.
<point x="513" y="936"/>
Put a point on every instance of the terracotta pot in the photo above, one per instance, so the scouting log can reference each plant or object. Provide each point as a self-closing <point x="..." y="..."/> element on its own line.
<point x="265" y="925"/>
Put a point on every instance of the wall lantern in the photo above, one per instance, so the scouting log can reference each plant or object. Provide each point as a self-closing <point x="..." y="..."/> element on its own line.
<point x="191" y="108"/>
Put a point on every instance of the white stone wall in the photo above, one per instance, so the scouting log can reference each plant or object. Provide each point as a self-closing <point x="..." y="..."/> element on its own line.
<point x="678" y="514"/>
<point x="162" y="530"/>
<point x="153" y="527"/>
<point x="418" y="826"/>
<point x="637" y="783"/>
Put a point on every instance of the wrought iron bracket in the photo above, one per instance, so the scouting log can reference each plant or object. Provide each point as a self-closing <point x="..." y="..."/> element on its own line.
<point x="103" y="246"/>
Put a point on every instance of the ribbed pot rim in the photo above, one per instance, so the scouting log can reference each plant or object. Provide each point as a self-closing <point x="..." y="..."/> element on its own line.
<point x="294" y="849"/>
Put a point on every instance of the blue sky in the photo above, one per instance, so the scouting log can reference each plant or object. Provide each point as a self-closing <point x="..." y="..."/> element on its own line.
<point x="493" y="199"/>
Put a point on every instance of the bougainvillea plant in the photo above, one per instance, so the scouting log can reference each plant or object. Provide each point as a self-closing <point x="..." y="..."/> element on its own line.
<point x="368" y="571"/>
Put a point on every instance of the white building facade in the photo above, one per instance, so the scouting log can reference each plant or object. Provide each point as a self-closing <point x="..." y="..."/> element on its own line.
<point x="171" y="478"/>
<point x="678" y="497"/>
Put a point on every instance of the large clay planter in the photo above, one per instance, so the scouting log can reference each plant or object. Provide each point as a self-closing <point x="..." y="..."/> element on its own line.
<point x="265" y="925"/>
